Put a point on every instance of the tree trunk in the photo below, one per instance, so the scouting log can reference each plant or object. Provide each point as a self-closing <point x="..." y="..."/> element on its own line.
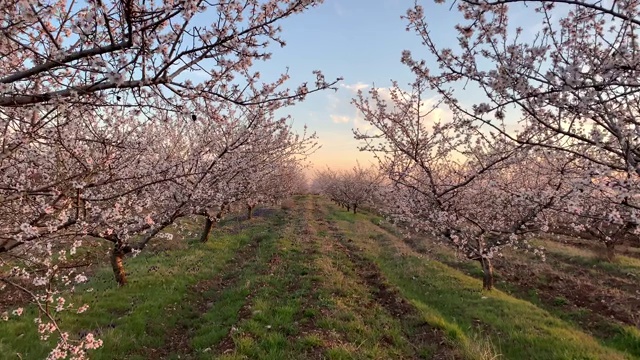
<point x="355" y="207"/>
<point x="117" y="265"/>
<point x="610" y="250"/>
<point x="487" y="273"/>
<point x="208" y="224"/>
<point x="249" y="211"/>
<point x="348" y="207"/>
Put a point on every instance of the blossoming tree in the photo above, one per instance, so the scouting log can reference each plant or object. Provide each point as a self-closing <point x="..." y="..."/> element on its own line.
<point x="570" y="88"/>
<point x="349" y="188"/>
<point x="472" y="190"/>
<point x="104" y="131"/>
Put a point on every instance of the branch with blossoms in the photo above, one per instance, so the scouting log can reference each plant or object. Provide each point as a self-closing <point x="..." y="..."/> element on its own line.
<point x="574" y="84"/>
<point x="49" y="302"/>
<point x="133" y="45"/>
<point x="619" y="11"/>
<point x="595" y="213"/>
<point x="572" y="88"/>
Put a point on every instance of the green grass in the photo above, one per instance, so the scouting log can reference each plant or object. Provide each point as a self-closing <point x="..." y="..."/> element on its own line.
<point x="351" y="311"/>
<point x="565" y="258"/>
<point x="623" y="266"/>
<point x="134" y="318"/>
<point x="273" y="307"/>
<point x="344" y="216"/>
<point x="452" y="301"/>
<point x="311" y="304"/>
<point x="290" y="287"/>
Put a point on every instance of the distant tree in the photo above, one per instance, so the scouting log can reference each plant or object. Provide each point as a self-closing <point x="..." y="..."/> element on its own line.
<point x="351" y="188"/>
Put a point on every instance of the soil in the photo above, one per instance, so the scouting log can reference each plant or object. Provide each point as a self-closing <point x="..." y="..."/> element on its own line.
<point x="422" y="335"/>
<point x="562" y="285"/>
<point x="606" y="296"/>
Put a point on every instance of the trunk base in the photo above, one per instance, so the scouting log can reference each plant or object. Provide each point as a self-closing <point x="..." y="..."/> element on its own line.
<point x="117" y="264"/>
<point x="487" y="274"/>
<point x="208" y="224"/>
<point x="610" y="253"/>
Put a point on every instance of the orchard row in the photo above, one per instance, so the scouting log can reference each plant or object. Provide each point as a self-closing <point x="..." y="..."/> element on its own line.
<point x="120" y="117"/>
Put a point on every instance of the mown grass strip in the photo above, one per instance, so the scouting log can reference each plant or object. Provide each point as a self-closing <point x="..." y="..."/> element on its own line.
<point x="452" y="301"/>
<point x="365" y="311"/>
<point x="621" y="266"/>
<point x="271" y="319"/>
<point x="133" y="320"/>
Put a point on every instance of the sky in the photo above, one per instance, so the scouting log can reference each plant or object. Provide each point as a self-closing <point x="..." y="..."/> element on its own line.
<point x="361" y="41"/>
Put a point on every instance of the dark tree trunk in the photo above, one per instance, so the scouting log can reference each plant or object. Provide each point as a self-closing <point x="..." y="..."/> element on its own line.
<point x="487" y="273"/>
<point x="610" y="250"/>
<point x="249" y="211"/>
<point x="117" y="257"/>
<point x="208" y="224"/>
<point x="355" y="207"/>
<point x="348" y="207"/>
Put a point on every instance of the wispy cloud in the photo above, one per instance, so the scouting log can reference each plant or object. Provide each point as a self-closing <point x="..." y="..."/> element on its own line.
<point x="340" y="119"/>
<point x="338" y="9"/>
<point x="355" y="87"/>
<point x="429" y="110"/>
<point x="360" y="124"/>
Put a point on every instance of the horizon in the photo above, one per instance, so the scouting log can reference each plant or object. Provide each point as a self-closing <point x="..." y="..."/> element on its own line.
<point x="336" y="38"/>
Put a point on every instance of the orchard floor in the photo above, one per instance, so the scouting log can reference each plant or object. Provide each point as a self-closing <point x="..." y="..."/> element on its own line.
<point x="316" y="282"/>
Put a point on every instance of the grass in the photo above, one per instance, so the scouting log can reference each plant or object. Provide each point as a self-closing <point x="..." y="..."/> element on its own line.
<point x="310" y="304"/>
<point x="134" y="319"/>
<point x="451" y="301"/>
<point x="569" y="261"/>
<point x="313" y="281"/>
<point x="273" y="309"/>
<point x="624" y="266"/>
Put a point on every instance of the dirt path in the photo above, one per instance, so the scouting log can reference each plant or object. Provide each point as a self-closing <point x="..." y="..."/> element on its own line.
<point x="573" y="287"/>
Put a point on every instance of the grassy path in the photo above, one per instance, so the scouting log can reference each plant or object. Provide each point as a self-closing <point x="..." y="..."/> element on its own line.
<point x="315" y="302"/>
<point x="480" y="325"/>
<point x="150" y="316"/>
<point x="312" y="282"/>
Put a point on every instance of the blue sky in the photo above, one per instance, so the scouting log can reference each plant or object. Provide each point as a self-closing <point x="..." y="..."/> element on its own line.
<point x="361" y="41"/>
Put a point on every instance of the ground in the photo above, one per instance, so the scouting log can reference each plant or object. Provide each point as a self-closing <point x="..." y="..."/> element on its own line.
<point x="314" y="282"/>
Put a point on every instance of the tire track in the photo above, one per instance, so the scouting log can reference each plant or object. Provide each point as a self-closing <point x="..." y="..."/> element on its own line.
<point x="202" y="298"/>
<point x="418" y="333"/>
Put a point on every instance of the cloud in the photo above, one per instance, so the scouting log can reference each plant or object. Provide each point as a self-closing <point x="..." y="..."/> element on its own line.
<point x="355" y="87"/>
<point x="357" y="120"/>
<point x="338" y="9"/>
<point x="334" y="102"/>
<point x="360" y="124"/>
<point x="428" y="108"/>
<point x="340" y="119"/>
<point x="430" y="111"/>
